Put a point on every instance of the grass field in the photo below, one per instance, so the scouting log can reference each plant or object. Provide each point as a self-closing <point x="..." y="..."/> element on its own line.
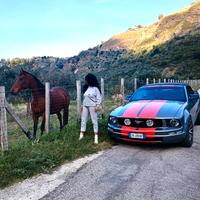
<point x="24" y="160"/>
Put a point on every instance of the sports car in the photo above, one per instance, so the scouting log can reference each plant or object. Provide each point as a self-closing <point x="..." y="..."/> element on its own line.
<point x="157" y="113"/>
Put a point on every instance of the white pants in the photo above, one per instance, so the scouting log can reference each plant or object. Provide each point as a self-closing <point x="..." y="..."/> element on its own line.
<point x="84" y="118"/>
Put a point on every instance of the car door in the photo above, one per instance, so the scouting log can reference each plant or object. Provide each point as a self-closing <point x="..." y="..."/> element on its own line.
<point x="193" y="102"/>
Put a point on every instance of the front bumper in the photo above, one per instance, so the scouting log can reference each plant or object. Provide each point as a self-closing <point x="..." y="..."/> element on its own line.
<point x="151" y="135"/>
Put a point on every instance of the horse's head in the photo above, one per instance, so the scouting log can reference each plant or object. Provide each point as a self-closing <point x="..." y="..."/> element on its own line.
<point x="22" y="82"/>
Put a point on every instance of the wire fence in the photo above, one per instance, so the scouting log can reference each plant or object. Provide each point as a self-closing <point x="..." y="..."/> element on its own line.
<point x="114" y="91"/>
<point x="110" y="87"/>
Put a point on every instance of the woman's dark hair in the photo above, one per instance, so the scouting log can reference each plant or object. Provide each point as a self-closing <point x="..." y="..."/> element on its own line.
<point x="91" y="81"/>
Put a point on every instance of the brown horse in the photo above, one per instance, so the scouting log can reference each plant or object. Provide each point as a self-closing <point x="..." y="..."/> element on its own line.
<point x="59" y="100"/>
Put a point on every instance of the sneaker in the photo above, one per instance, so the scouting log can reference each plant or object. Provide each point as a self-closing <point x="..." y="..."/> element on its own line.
<point x="81" y="136"/>
<point x="96" y="139"/>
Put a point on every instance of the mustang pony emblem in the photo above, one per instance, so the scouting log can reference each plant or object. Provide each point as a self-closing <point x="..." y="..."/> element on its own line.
<point x="138" y="121"/>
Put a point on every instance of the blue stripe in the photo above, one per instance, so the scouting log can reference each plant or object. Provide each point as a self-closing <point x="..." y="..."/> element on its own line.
<point x="169" y="109"/>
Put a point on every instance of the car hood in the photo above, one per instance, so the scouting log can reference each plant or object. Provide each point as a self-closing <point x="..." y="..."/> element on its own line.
<point x="149" y="109"/>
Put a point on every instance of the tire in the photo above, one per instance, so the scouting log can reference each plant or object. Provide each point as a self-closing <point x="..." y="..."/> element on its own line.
<point x="113" y="139"/>
<point x="197" y="122"/>
<point x="188" y="141"/>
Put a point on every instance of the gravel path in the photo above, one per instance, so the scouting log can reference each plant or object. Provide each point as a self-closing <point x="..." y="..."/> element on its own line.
<point x="137" y="173"/>
<point x="122" y="173"/>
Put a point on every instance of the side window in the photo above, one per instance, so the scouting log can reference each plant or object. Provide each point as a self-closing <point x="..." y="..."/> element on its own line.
<point x="189" y="90"/>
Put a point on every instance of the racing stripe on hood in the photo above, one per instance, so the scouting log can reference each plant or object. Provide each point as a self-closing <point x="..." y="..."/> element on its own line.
<point x="132" y="111"/>
<point x="151" y="110"/>
<point x="135" y="108"/>
<point x="120" y="110"/>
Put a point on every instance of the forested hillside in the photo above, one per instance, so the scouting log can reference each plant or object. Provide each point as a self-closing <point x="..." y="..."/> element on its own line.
<point x="169" y="48"/>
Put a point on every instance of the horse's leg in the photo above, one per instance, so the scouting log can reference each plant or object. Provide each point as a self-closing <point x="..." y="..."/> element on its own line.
<point x="42" y="124"/>
<point x="35" y="124"/>
<point x="60" y="120"/>
<point x="65" y="115"/>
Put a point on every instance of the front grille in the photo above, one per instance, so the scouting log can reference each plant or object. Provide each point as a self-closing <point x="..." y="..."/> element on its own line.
<point x="141" y="123"/>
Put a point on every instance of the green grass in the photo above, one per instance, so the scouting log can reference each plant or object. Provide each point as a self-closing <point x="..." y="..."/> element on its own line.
<point x="23" y="160"/>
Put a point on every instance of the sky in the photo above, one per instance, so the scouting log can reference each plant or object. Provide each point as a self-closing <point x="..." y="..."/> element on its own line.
<point x="63" y="28"/>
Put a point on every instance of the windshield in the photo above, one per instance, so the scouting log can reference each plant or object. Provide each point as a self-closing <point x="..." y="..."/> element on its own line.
<point x="159" y="93"/>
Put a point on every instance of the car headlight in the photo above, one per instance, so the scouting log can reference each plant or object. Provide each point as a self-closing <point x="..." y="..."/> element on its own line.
<point x="113" y="120"/>
<point x="149" y="123"/>
<point x="174" y="122"/>
<point x="127" y="122"/>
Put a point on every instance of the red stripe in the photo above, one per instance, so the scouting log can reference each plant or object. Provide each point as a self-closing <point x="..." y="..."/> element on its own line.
<point x="149" y="132"/>
<point x="134" y="109"/>
<point x="150" y="111"/>
<point x="125" y="130"/>
<point x="131" y="112"/>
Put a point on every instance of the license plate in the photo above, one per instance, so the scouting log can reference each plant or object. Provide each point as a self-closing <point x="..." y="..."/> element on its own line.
<point x="136" y="135"/>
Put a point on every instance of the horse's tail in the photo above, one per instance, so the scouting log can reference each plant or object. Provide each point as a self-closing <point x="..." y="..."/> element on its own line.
<point x="65" y="115"/>
<point x="66" y="107"/>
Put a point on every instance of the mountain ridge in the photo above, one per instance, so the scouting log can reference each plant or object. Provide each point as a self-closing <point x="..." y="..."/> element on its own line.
<point x="169" y="48"/>
<point x="166" y="28"/>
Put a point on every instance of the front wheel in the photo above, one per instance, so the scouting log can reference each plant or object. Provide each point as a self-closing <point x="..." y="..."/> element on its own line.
<point x="188" y="141"/>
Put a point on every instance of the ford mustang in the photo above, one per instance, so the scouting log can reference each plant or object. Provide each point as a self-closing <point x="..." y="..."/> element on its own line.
<point x="157" y="113"/>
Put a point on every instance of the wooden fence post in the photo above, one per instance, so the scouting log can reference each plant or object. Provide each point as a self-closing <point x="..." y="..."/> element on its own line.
<point x="196" y="83"/>
<point x="78" y="99"/>
<point x="122" y="89"/>
<point x="154" y="80"/>
<point x="135" y="84"/>
<point x="47" y="106"/>
<point x="147" y="81"/>
<point x="3" y="121"/>
<point x="159" y="80"/>
<point x="164" y="80"/>
<point x="103" y="96"/>
<point x="192" y="83"/>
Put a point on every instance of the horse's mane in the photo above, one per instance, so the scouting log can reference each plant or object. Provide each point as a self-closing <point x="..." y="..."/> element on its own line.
<point x="40" y="85"/>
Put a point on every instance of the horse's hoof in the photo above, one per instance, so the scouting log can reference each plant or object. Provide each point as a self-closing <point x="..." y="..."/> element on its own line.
<point x="36" y="141"/>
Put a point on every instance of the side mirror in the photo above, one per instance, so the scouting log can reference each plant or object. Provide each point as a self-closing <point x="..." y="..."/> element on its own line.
<point x="194" y="96"/>
<point x="127" y="98"/>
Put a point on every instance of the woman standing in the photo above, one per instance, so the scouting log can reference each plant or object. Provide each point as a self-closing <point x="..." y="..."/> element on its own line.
<point x="91" y="104"/>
